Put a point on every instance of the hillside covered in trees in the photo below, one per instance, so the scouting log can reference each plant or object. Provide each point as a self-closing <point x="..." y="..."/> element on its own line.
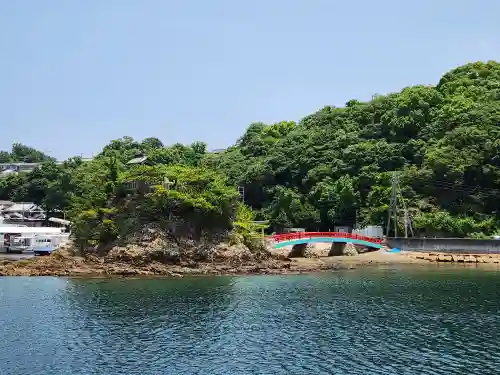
<point x="333" y="167"/>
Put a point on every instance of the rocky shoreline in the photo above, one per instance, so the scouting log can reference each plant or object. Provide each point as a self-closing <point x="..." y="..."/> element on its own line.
<point x="456" y="258"/>
<point x="61" y="263"/>
<point x="227" y="260"/>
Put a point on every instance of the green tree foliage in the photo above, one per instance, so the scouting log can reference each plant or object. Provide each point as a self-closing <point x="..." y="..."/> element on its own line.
<point x="23" y="154"/>
<point x="442" y="140"/>
<point x="247" y="231"/>
<point x="333" y="167"/>
<point x="197" y="203"/>
<point x="179" y="154"/>
<point x="5" y="157"/>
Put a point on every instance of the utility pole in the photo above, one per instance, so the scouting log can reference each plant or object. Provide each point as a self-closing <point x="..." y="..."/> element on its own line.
<point x="393" y="207"/>
<point x="406" y="223"/>
<point x="407" y="216"/>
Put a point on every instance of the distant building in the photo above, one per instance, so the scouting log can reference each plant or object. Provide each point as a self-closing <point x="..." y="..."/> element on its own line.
<point x="22" y="213"/>
<point x="218" y="150"/>
<point x="143" y="187"/>
<point x="137" y="187"/>
<point x="293" y="230"/>
<point x="20" y="167"/>
<point x="343" y="229"/>
<point x="370" y="231"/>
<point x="23" y="210"/>
<point x="8" y="168"/>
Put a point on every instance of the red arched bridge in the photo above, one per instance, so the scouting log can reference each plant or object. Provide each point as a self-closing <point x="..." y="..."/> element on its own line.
<point x="288" y="239"/>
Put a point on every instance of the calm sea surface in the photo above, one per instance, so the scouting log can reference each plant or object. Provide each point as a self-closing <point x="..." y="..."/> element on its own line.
<point x="367" y="321"/>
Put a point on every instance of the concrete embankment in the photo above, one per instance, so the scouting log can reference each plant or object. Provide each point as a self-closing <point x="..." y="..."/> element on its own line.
<point x="446" y="245"/>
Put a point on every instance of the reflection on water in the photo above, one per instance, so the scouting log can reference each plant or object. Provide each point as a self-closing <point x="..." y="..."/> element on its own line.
<point x="375" y="321"/>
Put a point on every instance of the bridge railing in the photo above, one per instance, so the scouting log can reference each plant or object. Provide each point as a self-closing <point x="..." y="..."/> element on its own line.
<point x="298" y="235"/>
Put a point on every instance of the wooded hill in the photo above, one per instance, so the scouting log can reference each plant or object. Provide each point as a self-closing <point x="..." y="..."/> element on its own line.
<point x="332" y="167"/>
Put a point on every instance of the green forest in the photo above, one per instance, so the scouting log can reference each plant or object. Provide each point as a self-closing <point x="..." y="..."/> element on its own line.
<point x="334" y="167"/>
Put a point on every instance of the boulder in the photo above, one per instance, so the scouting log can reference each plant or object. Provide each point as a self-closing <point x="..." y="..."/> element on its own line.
<point x="444" y="258"/>
<point x="350" y="250"/>
<point x="469" y="258"/>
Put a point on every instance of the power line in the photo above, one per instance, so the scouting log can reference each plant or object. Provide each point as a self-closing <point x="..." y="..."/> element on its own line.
<point x="452" y="186"/>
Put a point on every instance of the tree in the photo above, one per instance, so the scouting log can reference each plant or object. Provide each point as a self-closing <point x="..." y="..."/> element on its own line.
<point x="332" y="167"/>
<point x="4" y="157"/>
<point x="22" y="153"/>
<point x="151" y="143"/>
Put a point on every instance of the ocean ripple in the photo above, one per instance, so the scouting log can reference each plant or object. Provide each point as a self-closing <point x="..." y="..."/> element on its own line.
<point x="371" y="321"/>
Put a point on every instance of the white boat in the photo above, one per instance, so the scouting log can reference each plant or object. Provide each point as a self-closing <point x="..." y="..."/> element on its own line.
<point x="8" y="233"/>
<point x="37" y="244"/>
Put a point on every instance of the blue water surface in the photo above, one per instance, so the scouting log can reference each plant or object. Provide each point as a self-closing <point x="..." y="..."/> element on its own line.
<point x="366" y="321"/>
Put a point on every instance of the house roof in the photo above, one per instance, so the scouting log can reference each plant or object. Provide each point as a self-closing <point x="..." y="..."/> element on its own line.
<point x="20" y="165"/>
<point x="24" y="206"/>
<point x="138" y="160"/>
<point x="31" y="230"/>
<point x="13" y="215"/>
<point x="5" y="204"/>
<point x="59" y="221"/>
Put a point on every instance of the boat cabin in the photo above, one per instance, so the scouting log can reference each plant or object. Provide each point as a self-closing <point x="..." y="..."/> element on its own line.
<point x="39" y="245"/>
<point x="9" y="232"/>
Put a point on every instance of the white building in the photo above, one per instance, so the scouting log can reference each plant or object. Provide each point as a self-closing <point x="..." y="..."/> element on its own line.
<point x="7" y="168"/>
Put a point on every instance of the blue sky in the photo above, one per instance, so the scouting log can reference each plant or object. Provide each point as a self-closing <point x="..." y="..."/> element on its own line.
<point x="75" y="74"/>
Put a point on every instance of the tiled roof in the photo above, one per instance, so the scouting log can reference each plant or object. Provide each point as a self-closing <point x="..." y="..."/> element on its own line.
<point x="138" y="160"/>
<point x="25" y="206"/>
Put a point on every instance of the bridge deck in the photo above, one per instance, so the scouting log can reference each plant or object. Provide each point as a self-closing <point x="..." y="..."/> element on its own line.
<point x="287" y="239"/>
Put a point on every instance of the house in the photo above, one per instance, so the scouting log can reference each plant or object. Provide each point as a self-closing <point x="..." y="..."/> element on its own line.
<point x="19" y="167"/>
<point x="140" y="187"/>
<point x="23" y="210"/>
<point x="143" y="187"/>
<point x="22" y="213"/>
